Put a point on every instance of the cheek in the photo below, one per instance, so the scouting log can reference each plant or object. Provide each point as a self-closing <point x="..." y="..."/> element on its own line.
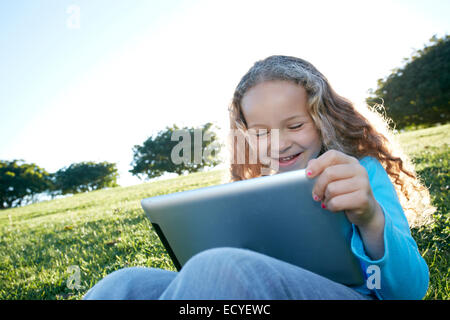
<point x="307" y="139"/>
<point x="317" y="141"/>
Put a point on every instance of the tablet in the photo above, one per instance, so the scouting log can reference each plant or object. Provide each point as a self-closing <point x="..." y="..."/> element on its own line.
<point x="273" y="215"/>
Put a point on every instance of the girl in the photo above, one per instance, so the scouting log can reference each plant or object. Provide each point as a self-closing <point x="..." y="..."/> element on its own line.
<point x="354" y="163"/>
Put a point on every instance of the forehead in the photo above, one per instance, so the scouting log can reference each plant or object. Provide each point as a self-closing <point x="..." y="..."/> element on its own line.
<point x="271" y="102"/>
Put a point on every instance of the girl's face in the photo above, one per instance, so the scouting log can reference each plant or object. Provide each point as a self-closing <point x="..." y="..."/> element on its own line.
<point x="282" y="105"/>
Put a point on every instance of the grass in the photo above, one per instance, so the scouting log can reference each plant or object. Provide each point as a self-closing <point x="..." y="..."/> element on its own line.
<point x="102" y="231"/>
<point x="429" y="149"/>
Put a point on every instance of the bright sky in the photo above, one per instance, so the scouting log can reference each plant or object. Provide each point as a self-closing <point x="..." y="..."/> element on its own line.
<point x="87" y="80"/>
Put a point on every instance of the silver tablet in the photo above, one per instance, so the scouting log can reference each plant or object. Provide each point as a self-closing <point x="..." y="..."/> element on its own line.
<point x="274" y="215"/>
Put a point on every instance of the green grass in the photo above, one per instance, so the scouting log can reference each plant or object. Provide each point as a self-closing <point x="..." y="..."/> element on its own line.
<point x="429" y="149"/>
<point x="418" y="141"/>
<point x="106" y="230"/>
<point x="99" y="232"/>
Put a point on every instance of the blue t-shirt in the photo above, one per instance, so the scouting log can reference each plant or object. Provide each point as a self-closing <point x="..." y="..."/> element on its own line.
<point x="401" y="273"/>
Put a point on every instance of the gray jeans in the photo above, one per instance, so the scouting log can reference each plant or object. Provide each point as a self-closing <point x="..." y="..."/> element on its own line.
<point x="221" y="273"/>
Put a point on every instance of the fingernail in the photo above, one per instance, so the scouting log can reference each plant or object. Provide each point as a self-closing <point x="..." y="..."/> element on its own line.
<point x="316" y="198"/>
<point x="308" y="172"/>
<point x="323" y="206"/>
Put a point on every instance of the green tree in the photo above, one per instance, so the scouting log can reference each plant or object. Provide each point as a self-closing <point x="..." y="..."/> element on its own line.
<point x="176" y="150"/>
<point x="85" y="176"/>
<point x="20" y="182"/>
<point x="419" y="92"/>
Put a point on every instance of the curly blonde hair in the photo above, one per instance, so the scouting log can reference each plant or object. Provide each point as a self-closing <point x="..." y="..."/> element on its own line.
<point x="357" y="133"/>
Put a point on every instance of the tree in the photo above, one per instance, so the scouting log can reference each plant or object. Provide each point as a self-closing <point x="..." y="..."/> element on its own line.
<point x="20" y="181"/>
<point x="419" y="92"/>
<point x="85" y="176"/>
<point x="176" y="150"/>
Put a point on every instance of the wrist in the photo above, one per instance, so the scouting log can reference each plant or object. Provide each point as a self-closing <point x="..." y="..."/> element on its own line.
<point x="375" y="222"/>
<point x="372" y="234"/>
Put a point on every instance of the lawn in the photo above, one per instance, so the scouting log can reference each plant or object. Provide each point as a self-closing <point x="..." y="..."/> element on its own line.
<point x="102" y="231"/>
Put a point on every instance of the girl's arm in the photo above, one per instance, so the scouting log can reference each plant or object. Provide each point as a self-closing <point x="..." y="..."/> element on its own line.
<point x="403" y="271"/>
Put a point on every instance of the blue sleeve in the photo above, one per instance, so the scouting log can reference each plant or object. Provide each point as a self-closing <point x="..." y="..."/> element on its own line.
<point x="402" y="270"/>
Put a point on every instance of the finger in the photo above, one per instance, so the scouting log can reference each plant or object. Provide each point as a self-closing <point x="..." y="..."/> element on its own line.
<point x="347" y="201"/>
<point x="340" y="187"/>
<point x="330" y="174"/>
<point x="332" y="157"/>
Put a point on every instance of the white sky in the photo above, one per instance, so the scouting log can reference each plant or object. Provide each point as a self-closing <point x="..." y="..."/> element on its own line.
<point x="184" y="68"/>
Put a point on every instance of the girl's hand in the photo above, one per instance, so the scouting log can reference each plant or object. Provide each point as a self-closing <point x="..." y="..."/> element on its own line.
<point x="343" y="184"/>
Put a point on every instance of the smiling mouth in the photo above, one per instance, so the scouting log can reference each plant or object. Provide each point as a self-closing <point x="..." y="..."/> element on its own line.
<point x="289" y="160"/>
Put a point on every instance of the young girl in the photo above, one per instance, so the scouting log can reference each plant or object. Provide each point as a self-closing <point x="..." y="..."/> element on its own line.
<point x="353" y="162"/>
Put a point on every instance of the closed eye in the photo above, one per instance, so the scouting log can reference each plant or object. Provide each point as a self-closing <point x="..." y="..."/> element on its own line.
<point x="296" y="126"/>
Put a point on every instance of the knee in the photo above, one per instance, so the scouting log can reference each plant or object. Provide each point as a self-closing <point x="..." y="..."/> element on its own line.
<point x="125" y="276"/>
<point x="113" y="285"/>
<point x="228" y="273"/>
<point x="222" y="254"/>
<point x="124" y="283"/>
<point x="224" y="260"/>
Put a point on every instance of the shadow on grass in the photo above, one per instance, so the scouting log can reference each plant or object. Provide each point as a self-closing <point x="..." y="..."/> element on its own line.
<point x="41" y="258"/>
